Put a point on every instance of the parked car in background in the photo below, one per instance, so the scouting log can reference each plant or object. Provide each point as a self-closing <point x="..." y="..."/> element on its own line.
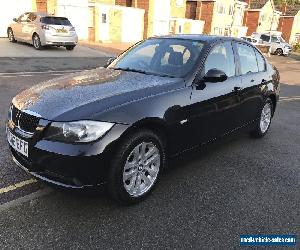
<point x="43" y="30"/>
<point x="119" y="124"/>
<point x="277" y="44"/>
<point x="250" y="40"/>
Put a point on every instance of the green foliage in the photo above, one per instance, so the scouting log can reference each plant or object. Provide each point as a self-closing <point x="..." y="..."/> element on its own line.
<point x="296" y="47"/>
<point x="289" y="2"/>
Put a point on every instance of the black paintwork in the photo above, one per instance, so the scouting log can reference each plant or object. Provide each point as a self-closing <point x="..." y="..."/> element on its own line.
<point x="189" y="111"/>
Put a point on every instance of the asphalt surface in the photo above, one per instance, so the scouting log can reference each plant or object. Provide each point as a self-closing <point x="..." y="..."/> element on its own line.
<point x="205" y="200"/>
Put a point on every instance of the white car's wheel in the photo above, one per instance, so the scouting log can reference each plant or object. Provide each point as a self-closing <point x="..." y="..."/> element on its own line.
<point x="11" y="36"/>
<point x="36" y="41"/>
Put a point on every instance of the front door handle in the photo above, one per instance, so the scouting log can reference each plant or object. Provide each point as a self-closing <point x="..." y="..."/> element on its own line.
<point x="263" y="81"/>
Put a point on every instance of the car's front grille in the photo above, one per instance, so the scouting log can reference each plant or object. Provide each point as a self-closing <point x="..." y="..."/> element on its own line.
<point x="24" y="121"/>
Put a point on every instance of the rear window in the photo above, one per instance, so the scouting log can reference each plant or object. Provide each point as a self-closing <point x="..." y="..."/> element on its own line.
<point x="55" y="20"/>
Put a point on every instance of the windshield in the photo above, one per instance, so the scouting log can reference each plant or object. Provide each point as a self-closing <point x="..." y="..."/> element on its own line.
<point x="164" y="57"/>
<point x="56" y="20"/>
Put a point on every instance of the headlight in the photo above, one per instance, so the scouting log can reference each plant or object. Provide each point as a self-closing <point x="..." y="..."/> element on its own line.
<point x="76" y="132"/>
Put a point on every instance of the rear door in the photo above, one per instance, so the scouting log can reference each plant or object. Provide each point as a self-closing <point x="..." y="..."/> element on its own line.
<point x="252" y="68"/>
<point x="214" y="109"/>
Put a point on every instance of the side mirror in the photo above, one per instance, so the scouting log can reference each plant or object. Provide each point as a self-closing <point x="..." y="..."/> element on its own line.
<point x="109" y="61"/>
<point x="215" y="75"/>
<point x="15" y="20"/>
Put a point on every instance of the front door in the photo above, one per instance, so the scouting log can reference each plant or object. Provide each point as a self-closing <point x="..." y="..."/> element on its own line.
<point x="214" y="109"/>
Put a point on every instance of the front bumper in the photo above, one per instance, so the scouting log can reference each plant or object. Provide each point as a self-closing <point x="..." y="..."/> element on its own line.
<point x="68" y="165"/>
<point x="287" y="51"/>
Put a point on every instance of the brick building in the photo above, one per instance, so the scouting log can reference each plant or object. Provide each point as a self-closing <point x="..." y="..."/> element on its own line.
<point x="222" y="17"/>
<point x="289" y="22"/>
<point x="261" y="16"/>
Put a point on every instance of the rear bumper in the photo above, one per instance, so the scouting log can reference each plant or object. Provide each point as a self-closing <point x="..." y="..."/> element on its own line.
<point x="54" y="40"/>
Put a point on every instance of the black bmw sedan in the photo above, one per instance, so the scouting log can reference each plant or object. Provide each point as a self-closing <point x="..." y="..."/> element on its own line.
<point x="120" y="124"/>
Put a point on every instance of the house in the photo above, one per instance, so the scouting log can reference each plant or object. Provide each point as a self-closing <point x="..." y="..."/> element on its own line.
<point x="261" y="16"/>
<point x="99" y="20"/>
<point x="289" y="23"/>
<point x="222" y="17"/>
<point x="12" y="9"/>
<point x="165" y="17"/>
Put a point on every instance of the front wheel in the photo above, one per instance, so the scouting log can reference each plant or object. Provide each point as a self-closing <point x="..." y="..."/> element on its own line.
<point x="136" y="167"/>
<point x="36" y="41"/>
<point x="70" y="47"/>
<point x="264" y="121"/>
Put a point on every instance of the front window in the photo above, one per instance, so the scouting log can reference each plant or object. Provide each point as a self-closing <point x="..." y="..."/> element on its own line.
<point x="221" y="57"/>
<point x="164" y="57"/>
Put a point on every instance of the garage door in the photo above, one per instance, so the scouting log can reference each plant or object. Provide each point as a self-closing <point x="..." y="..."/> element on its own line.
<point x="10" y="9"/>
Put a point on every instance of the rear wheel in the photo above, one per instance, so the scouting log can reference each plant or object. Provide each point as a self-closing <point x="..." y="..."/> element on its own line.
<point x="36" y="41"/>
<point x="279" y="52"/>
<point x="70" y="47"/>
<point x="264" y="122"/>
<point x="11" y="36"/>
<point x="136" y="167"/>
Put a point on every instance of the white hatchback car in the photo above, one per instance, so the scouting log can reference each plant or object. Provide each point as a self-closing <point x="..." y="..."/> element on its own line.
<point x="41" y="30"/>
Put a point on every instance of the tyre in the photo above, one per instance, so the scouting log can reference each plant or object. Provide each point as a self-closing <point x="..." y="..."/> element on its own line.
<point x="279" y="52"/>
<point x="137" y="166"/>
<point x="70" y="47"/>
<point x="11" y="36"/>
<point x="36" y="41"/>
<point x="264" y="122"/>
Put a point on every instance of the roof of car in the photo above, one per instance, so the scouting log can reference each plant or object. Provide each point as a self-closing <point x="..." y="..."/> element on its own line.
<point x="199" y="37"/>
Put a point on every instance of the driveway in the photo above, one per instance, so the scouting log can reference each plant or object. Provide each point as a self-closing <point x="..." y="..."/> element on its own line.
<point x="18" y="49"/>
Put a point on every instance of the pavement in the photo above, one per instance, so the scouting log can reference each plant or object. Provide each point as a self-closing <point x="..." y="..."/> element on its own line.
<point x="205" y="200"/>
<point x="19" y="49"/>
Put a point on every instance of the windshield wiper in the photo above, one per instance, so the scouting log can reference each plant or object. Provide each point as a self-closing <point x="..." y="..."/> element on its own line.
<point x="143" y="72"/>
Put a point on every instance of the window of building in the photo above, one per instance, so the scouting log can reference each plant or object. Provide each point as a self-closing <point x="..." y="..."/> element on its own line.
<point x="247" y="59"/>
<point x="179" y="3"/>
<point x="221" y="8"/>
<point x="104" y="18"/>
<point x="222" y="58"/>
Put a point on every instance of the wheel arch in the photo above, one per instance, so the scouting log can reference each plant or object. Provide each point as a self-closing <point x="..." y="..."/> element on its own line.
<point x="274" y="102"/>
<point x="157" y="125"/>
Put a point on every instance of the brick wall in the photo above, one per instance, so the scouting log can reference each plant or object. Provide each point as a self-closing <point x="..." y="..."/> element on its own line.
<point x="251" y="19"/>
<point x="126" y="3"/>
<point x="41" y="5"/>
<point x="206" y="14"/>
<point x="144" y="4"/>
<point x="285" y="26"/>
<point x="191" y="10"/>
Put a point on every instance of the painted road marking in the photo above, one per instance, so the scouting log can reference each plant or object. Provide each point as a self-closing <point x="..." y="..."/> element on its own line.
<point x="25" y="198"/>
<point x="289" y="99"/>
<point x="16" y="186"/>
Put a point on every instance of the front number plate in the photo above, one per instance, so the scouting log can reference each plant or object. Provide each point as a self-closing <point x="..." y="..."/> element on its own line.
<point x="18" y="144"/>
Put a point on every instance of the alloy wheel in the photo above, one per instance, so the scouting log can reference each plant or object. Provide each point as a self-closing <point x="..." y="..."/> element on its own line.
<point x="36" y="42"/>
<point x="141" y="169"/>
<point x="265" y="118"/>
